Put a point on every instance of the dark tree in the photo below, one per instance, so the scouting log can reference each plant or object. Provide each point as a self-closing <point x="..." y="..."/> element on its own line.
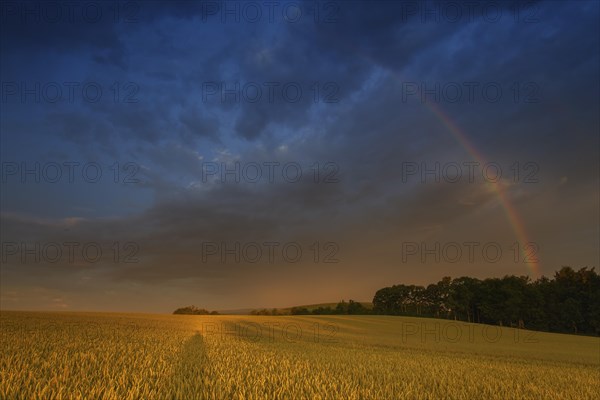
<point x="570" y="302"/>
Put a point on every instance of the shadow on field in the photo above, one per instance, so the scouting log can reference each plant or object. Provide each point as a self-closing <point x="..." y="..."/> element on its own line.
<point x="190" y="379"/>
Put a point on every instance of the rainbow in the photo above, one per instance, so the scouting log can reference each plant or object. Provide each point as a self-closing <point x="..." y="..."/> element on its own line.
<point x="516" y="222"/>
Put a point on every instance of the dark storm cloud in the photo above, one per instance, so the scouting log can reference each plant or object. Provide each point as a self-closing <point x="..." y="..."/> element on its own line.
<point x="173" y="231"/>
<point x="175" y="49"/>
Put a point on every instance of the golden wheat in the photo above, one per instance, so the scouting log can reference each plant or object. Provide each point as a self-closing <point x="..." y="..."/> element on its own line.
<point x="111" y="356"/>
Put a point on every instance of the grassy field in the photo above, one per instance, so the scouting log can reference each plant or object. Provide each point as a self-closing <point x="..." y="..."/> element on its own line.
<point x="131" y="356"/>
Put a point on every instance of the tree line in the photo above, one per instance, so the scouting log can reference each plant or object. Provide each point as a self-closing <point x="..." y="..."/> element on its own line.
<point x="193" y="310"/>
<point x="342" y="308"/>
<point x="348" y="308"/>
<point x="567" y="303"/>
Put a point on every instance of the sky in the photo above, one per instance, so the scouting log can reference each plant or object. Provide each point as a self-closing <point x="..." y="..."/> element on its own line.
<point x="237" y="155"/>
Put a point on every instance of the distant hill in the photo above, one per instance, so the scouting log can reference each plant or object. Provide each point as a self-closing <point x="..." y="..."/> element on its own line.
<point x="286" y="310"/>
<point x="343" y="307"/>
<point x="311" y="307"/>
<point x="238" y="311"/>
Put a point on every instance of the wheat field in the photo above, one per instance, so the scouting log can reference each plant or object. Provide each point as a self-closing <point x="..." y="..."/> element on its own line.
<point x="139" y="356"/>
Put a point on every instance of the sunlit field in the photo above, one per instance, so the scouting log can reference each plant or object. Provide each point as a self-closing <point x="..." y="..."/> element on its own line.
<point x="131" y="356"/>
